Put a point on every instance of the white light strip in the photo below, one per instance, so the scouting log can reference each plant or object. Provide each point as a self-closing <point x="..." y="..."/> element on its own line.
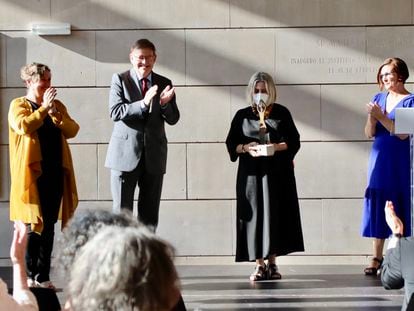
<point x="52" y="29"/>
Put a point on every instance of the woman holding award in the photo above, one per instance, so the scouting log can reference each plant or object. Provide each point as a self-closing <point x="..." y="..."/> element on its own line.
<point x="264" y="138"/>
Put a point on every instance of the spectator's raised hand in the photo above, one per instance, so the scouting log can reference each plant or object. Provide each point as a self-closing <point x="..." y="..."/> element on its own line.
<point x="18" y="246"/>
<point x="392" y="219"/>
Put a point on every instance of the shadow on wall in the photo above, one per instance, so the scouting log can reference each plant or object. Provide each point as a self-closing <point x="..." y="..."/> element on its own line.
<point x="212" y="58"/>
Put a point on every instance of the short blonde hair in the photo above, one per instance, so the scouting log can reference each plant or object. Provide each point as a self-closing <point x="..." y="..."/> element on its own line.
<point x="270" y="87"/>
<point x="33" y="71"/>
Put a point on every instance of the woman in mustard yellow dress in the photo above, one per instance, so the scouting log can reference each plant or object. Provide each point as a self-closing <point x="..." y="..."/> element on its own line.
<point x="42" y="178"/>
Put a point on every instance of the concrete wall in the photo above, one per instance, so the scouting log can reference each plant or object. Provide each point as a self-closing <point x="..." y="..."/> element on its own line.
<point x="322" y="53"/>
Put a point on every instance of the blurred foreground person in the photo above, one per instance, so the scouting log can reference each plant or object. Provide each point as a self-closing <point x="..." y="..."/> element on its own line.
<point x="134" y="271"/>
<point x="84" y="225"/>
<point x="22" y="299"/>
<point x="398" y="267"/>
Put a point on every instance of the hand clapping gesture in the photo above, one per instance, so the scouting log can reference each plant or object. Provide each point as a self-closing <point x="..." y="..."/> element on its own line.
<point x="374" y="110"/>
<point x="166" y="95"/>
<point x="48" y="98"/>
<point x="149" y="95"/>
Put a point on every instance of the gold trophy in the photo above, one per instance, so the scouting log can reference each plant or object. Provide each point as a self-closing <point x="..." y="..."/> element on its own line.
<point x="264" y="148"/>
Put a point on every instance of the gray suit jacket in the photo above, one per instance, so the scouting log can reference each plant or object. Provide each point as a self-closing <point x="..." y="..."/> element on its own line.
<point x="398" y="268"/>
<point x="136" y="130"/>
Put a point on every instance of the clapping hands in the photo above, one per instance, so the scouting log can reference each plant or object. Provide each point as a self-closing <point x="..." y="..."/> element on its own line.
<point x="166" y="95"/>
<point x="374" y="110"/>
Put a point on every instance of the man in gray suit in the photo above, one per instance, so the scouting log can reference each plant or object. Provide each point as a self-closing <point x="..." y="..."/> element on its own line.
<point x="140" y="102"/>
<point x="398" y="266"/>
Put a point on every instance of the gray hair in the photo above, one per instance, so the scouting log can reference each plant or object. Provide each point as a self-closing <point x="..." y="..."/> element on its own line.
<point x="123" y="269"/>
<point x="270" y="87"/>
<point x="84" y="225"/>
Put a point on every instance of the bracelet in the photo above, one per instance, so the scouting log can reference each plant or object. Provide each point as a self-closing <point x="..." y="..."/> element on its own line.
<point x="397" y="235"/>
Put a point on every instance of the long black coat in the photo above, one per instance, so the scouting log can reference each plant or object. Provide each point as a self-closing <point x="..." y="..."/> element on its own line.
<point x="268" y="218"/>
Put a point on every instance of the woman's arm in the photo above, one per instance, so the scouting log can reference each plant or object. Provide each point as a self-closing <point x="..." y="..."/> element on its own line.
<point x="290" y="140"/>
<point x="375" y="114"/>
<point x="22" y="119"/>
<point x="370" y="126"/>
<point x="63" y="121"/>
<point x="235" y="140"/>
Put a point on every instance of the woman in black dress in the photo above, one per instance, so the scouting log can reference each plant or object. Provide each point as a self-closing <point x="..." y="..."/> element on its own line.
<point x="268" y="218"/>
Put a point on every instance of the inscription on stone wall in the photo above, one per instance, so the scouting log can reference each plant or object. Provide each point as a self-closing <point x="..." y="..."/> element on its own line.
<point x="336" y="65"/>
<point x="323" y="56"/>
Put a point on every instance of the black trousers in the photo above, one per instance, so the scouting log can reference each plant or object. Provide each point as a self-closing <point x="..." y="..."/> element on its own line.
<point x="123" y="186"/>
<point x="40" y="246"/>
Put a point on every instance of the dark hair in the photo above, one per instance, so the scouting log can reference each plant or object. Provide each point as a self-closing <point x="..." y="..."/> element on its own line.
<point x="143" y="44"/>
<point x="399" y="67"/>
<point x="83" y="226"/>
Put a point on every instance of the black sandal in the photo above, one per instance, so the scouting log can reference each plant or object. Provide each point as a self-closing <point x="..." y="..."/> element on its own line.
<point x="259" y="273"/>
<point x="273" y="272"/>
<point x="375" y="266"/>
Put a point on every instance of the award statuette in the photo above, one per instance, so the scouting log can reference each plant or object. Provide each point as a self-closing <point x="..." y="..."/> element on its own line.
<point x="264" y="148"/>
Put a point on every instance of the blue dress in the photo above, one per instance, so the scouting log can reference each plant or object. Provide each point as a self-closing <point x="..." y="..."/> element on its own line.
<point x="388" y="176"/>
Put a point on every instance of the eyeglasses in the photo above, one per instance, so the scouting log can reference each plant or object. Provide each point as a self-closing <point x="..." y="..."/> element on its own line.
<point x="143" y="57"/>
<point x="386" y="74"/>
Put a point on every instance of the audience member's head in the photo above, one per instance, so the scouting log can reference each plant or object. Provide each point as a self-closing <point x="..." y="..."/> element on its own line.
<point x="124" y="269"/>
<point x="82" y="227"/>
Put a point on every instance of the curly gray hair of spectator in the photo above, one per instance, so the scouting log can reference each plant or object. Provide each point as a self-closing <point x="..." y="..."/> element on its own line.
<point x="82" y="227"/>
<point x="124" y="269"/>
<point x="33" y="71"/>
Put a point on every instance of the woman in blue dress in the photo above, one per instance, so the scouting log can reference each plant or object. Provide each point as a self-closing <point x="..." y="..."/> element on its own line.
<point x="389" y="162"/>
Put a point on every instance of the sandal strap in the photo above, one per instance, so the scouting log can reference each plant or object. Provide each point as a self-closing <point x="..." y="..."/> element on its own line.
<point x="259" y="272"/>
<point x="272" y="267"/>
<point x="273" y="272"/>
<point x="260" y="269"/>
<point x="372" y="269"/>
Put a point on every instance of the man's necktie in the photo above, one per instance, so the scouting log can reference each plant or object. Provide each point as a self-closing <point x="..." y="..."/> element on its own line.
<point x="144" y="86"/>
